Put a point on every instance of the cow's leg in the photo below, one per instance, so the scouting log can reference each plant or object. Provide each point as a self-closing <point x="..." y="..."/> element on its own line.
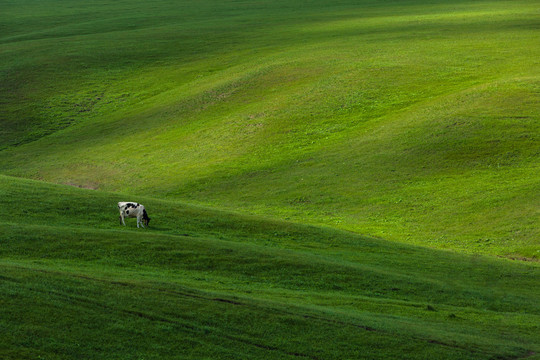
<point x="139" y="221"/>
<point x="122" y="219"/>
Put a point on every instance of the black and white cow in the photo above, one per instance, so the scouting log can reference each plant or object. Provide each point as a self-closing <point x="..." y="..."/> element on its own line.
<point x="133" y="209"/>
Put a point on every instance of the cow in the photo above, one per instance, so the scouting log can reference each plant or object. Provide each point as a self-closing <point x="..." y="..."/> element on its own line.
<point x="133" y="209"/>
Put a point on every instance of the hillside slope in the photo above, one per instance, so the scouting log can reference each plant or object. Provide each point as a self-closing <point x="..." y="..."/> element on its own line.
<point x="410" y="121"/>
<point x="207" y="284"/>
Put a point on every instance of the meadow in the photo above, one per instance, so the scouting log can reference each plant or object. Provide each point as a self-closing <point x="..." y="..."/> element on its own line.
<point x="203" y="283"/>
<point x="326" y="179"/>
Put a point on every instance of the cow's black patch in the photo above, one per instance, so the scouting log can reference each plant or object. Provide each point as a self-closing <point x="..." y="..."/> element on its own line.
<point x="127" y="212"/>
<point x="145" y="217"/>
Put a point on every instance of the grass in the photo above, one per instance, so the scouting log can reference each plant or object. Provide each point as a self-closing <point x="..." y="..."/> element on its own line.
<point x="380" y="118"/>
<point x="78" y="284"/>
<point x="344" y="179"/>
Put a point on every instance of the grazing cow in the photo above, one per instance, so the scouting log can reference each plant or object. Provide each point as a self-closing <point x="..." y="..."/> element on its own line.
<point x="133" y="209"/>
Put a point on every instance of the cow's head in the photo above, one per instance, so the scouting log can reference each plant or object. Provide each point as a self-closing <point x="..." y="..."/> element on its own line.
<point x="146" y="219"/>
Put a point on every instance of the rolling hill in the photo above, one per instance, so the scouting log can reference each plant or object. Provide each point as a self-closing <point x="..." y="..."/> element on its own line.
<point x="326" y="179"/>
<point x="410" y="121"/>
<point x="203" y="283"/>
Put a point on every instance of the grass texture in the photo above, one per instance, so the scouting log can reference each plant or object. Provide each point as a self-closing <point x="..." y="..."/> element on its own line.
<point x="202" y="283"/>
<point x="349" y="179"/>
<point x="412" y="121"/>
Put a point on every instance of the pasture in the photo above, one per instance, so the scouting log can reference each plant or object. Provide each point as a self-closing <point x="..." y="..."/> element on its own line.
<point x="415" y="122"/>
<point x="326" y="179"/>
<point x="201" y="283"/>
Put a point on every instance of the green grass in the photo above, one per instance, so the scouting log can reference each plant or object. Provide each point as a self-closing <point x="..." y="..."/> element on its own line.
<point x="326" y="179"/>
<point x="207" y="284"/>
<point x="409" y="121"/>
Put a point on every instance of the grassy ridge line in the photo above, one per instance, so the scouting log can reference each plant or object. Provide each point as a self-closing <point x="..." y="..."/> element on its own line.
<point x="73" y="207"/>
<point x="64" y="205"/>
<point x="403" y="322"/>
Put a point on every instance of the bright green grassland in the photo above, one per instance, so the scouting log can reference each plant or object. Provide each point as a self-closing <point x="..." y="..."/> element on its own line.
<point x="208" y="284"/>
<point x="264" y="137"/>
<point x="413" y="121"/>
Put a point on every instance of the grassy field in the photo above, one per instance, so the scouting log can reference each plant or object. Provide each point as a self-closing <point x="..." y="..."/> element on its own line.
<point x="326" y="179"/>
<point x="411" y="121"/>
<point x="208" y="284"/>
